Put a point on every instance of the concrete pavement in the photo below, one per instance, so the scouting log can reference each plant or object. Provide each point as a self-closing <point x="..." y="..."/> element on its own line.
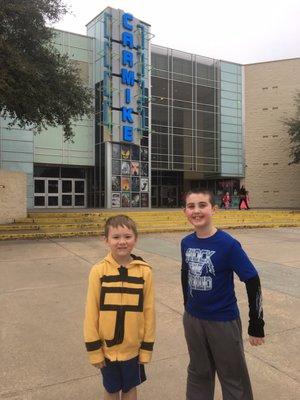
<point x="42" y="294"/>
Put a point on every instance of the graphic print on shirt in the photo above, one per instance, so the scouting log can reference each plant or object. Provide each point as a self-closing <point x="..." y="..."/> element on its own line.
<point x="201" y="269"/>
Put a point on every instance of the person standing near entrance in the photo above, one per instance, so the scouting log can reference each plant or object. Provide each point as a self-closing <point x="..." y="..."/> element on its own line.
<point x="119" y="323"/>
<point x="226" y="200"/>
<point x="211" y="319"/>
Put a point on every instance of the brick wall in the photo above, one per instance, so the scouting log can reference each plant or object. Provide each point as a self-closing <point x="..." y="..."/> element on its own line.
<point x="270" y="89"/>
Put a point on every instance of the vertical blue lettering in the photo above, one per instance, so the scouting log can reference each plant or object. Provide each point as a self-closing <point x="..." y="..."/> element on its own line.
<point x="126" y="114"/>
<point x="127" y="58"/>
<point x="126" y="18"/>
<point x="127" y="96"/>
<point x="127" y="77"/>
<point x="127" y="39"/>
<point x="128" y="133"/>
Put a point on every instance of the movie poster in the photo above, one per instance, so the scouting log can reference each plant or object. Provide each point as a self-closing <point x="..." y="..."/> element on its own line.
<point x="116" y="183"/>
<point x="125" y="200"/>
<point x="135" y="153"/>
<point x="144" y="153"/>
<point x="135" y="200"/>
<point x="116" y="167"/>
<point x="125" y="152"/>
<point x="135" y="184"/>
<point x="144" y="185"/>
<point x="125" y="184"/>
<point x="145" y="199"/>
<point x="135" y="168"/>
<point x="116" y="150"/>
<point x="125" y="168"/>
<point x="144" y="169"/>
<point x="116" y="200"/>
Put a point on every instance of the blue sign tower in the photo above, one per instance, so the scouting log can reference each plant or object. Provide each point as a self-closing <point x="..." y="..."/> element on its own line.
<point x="122" y="93"/>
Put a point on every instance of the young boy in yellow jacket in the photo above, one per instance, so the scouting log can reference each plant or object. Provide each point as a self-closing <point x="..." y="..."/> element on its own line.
<point x="119" y="318"/>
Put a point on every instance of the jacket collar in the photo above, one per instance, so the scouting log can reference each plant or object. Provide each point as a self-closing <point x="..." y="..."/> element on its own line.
<point x="135" y="261"/>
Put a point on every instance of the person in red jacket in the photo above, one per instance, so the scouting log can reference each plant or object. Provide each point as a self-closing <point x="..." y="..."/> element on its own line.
<point x="226" y="200"/>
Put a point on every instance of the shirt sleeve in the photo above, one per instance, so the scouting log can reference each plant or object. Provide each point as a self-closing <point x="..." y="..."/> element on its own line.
<point x="184" y="275"/>
<point x="256" y="315"/>
<point x="92" y="339"/>
<point x="147" y="344"/>
<point x="240" y="262"/>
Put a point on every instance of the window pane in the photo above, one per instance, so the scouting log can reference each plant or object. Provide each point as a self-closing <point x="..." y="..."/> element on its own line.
<point x="182" y="118"/>
<point x="67" y="186"/>
<point x="39" y="186"/>
<point x="79" y="200"/>
<point x="46" y="172"/>
<point x="68" y="172"/>
<point x="159" y="115"/>
<point x="39" y="201"/>
<point x="182" y="91"/>
<point x="53" y="186"/>
<point x="66" y="200"/>
<point x="53" y="201"/>
<point x="79" y="186"/>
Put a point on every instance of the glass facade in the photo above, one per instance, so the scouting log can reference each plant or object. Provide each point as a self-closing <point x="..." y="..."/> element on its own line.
<point x="232" y="156"/>
<point x="185" y="112"/>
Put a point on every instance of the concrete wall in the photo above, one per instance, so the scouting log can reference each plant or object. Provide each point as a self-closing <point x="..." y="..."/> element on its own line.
<point x="12" y="196"/>
<point x="270" y="90"/>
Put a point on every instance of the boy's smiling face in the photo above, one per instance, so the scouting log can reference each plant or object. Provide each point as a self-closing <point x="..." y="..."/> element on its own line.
<point x="199" y="210"/>
<point x="121" y="241"/>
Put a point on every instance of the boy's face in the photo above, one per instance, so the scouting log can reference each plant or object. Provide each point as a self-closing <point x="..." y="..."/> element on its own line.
<point x="199" y="210"/>
<point x="121" y="241"/>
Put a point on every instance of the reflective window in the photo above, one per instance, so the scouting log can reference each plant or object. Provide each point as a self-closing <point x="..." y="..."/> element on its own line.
<point x="39" y="186"/>
<point x="39" y="201"/>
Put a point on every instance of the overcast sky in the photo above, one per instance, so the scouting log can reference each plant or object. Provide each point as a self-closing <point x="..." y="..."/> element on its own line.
<point x="242" y="31"/>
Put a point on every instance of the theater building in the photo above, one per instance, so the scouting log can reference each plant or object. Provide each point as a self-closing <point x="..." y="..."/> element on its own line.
<point x="165" y="121"/>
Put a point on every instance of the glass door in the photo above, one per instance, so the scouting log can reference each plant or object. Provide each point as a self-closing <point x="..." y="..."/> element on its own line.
<point x="79" y="192"/>
<point x="73" y="193"/>
<point x="52" y="195"/>
<point x="154" y="196"/>
<point x="54" y="192"/>
<point x="67" y="192"/>
<point x="39" y="192"/>
<point x="169" y="196"/>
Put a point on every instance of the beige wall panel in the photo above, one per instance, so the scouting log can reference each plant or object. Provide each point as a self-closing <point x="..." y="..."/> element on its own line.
<point x="12" y="196"/>
<point x="270" y="89"/>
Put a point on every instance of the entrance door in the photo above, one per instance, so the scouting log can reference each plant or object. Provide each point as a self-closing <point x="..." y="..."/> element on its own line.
<point x="169" y="196"/>
<point x="54" y="193"/>
<point x="73" y="193"/>
<point x="154" y="196"/>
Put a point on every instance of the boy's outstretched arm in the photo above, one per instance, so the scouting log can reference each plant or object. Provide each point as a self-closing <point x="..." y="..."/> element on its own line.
<point x="93" y="342"/>
<point x="256" y="322"/>
<point x="147" y="344"/>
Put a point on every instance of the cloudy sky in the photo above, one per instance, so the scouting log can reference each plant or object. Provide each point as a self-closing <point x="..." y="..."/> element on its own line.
<point x="241" y="31"/>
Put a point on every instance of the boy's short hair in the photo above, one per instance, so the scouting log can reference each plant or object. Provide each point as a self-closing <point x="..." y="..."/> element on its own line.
<point x="120" y="220"/>
<point x="201" y="191"/>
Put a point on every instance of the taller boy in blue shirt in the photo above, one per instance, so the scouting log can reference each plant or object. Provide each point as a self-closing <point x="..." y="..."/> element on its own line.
<point x="211" y="320"/>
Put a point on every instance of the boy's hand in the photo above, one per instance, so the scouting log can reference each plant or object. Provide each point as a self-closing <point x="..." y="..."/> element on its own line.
<point x="256" y="341"/>
<point x="99" y="365"/>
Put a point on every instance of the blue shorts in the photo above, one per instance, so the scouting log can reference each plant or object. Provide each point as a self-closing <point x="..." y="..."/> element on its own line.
<point x="122" y="375"/>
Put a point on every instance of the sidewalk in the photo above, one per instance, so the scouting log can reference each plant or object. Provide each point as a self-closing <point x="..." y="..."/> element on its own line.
<point x="42" y="295"/>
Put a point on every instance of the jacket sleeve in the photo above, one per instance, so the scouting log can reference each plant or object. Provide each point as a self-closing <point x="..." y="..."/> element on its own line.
<point x="147" y="344"/>
<point x="92" y="339"/>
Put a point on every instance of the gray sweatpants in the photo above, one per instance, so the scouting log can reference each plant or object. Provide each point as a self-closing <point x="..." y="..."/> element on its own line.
<point x="216" y="346"/>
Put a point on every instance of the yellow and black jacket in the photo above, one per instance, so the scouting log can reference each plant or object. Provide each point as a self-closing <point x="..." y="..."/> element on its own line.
<point x="119" y="317"/>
